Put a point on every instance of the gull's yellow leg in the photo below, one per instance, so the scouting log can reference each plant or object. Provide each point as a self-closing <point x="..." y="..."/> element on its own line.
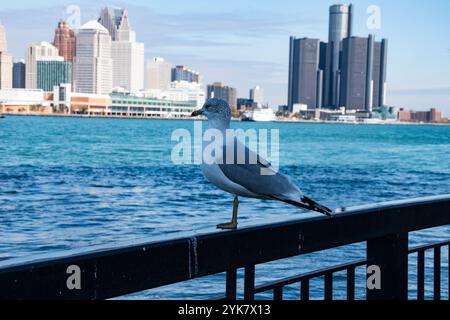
<point x="233" y="224"/>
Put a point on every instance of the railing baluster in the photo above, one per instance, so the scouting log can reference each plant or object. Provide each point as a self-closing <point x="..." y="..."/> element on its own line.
<point x="231" y="284"/>
<point x="328" y="287"/>
<point x="390" y="254"/>
<point x="249" y="283"/>
<point x="351" y="284"/>
<point x="421" y="275"/>
<point x="304" y="292"/>
<point x="437" y="273"/>
<point x="278" y="293"/>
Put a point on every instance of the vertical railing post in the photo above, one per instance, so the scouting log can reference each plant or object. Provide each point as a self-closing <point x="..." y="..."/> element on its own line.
<point x="304" y="291"/>
<point x="231" y="284"/>
<point x="351" y="284"/>
<point x="249" y="283"/>
<point x="390" y="254"/>
<point x="437" y="274"/>
<point x="421" y="275"/>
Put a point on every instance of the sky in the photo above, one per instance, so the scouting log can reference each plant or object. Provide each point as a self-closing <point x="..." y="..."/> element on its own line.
<point x="245" y="43"/>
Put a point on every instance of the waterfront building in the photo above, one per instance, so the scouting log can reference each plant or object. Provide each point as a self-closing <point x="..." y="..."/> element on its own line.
<point x="306" y="56"/>
<point x="185" y="91"/>
<point x="126" y="53"/>
<point x="135" y="106"/>
<point x="93" y="62"/>
<point x="52" y="72"/>
<point x="433" y="115"/>
<point x="65" y="41"/>
<point x="220" y="91"/>
<point x="19" y="74"/>
<point x="158" y="74"/>
<point x="90" y="104"/>
<point x="246" y="104"/>
<point x="23" y="101"/>
<point x="257" y="95"/>
<point x="62" y="95"/>
<point x="179" y="91"/>
<point x="182" y="73"/>
<point x="6" y="61"/>
<point x="340" y="27"/>
<point x="363" y="73"/>
<point x="35" y="52"/>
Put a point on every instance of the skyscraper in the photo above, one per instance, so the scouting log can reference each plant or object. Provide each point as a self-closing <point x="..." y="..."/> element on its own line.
<point x="65" y="41"/>
<point x="305" y="75"/>
<point x="182" y="73"/>
<point x="111" y="18"/>
<point x="6" y="61"/>
<point x="220" y="91"/>
<point x="53" y="72"/>
<point x="363" y="73"/>
<point x="127" y="54"/>
<point x="340" y="27"/>
<point x="257" y="95"/>
<point x="37" y="51"/>
<point x="159" y="74"/>
<point x="380" y="73"/>
<point x="19" y="74"/>
<point x="93" y="62"/>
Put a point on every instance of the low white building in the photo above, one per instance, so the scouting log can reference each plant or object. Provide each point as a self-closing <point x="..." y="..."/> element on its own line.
<point x="180" y="91"/>
<point x="21" y="97"/>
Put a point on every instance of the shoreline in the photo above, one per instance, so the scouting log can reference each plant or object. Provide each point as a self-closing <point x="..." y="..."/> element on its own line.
<point x="285" y="120"/>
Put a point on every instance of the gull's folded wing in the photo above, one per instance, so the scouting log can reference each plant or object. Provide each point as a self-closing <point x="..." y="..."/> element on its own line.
<point x="259" y="177"/>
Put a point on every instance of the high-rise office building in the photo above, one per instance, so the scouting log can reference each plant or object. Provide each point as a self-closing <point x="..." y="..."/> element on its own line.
<point x="182" y="73"/>
<point x="346" y="72"/>
<point x="53" y="72"/>
<point x="257" y="95"/>
<point x="158" y="74"/>
<point x="340" y="27"/>
<point x="35" y="52"/>
<point x="65" y="41"/>
<point x="305" y="76"/>
<point x="127" y="54"/>
<point x="379" y="73"/>
<point x="6" y="61"/>
<point x="19" y="74"/>
<point x="363" y="73"/>
<point x="112" y="18"/>
<point x="220" y="91"/>
<point x="93" y="62"/>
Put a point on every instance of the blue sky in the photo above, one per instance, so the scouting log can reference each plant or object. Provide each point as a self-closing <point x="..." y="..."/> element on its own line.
<point x="245" y="42"/>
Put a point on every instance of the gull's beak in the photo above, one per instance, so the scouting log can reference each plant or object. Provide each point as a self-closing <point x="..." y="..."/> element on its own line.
<point x="197" y="113"/>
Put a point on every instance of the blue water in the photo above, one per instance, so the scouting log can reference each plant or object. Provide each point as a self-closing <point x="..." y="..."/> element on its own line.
<point x="68" y="183"/>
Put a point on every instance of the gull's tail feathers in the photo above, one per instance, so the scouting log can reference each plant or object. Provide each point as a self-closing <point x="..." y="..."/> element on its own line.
<point x="309" y="204"/>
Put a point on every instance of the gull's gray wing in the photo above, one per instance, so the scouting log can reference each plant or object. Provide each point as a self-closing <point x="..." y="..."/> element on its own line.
<point x="250" y="174"/>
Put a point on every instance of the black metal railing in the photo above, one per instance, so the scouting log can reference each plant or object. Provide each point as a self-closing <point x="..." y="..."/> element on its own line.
<point x="113" y="272"/>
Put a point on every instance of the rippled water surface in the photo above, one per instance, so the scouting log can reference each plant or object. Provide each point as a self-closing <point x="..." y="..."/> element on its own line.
<point x="68" y="183"/>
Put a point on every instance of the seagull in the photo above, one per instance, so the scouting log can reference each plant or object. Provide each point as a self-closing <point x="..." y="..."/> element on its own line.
<point x="246" y="180"/>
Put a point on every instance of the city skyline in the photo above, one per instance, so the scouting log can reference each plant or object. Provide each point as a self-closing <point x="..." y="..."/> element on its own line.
<point x="417" y="78"/>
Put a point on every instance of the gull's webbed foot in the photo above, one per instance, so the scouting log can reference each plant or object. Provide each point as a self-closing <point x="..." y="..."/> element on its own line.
<point x="227" y="226"/>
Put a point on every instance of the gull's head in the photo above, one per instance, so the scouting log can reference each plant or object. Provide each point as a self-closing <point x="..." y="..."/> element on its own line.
<point x="216" y="110"/>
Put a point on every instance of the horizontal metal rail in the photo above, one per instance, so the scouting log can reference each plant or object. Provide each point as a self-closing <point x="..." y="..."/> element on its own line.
<point x="114" y="271"/>
<point x="305" y="278"/>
